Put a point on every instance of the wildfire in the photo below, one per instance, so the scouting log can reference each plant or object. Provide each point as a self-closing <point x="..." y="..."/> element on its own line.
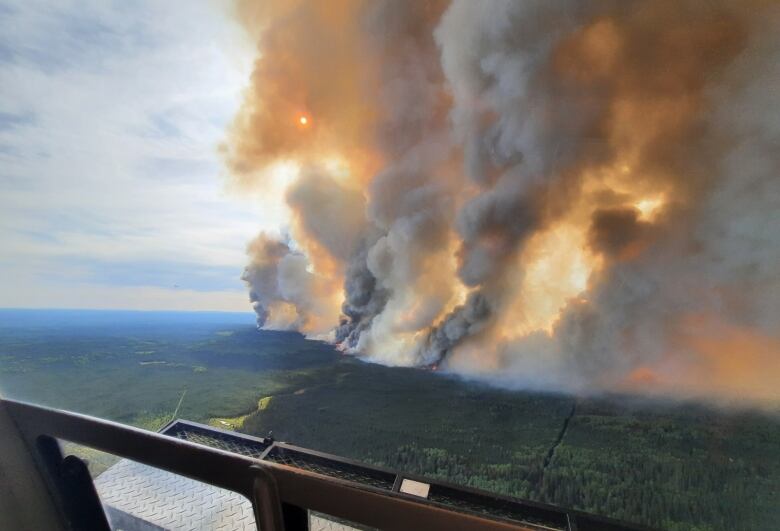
<point x="649" y="207"/>
<point x="545" y="225"/>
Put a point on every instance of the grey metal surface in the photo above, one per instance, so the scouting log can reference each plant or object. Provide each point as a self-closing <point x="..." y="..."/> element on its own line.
<point x="142" y="498"/>
<point x="320" y="523"/>
<point x="171" y="501"/>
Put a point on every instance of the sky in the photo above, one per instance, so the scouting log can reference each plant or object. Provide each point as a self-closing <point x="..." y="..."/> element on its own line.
<point x="112" y="190"/>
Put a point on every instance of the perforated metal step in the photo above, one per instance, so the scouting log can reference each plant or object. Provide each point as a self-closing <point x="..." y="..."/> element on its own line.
<point x="216" y="438"/>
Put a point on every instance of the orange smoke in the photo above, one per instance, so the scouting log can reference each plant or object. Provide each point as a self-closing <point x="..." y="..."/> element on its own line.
<point x="714" y="359"/>
<point x="539" y="195"/>
<point x="290" y="75"/>
<point x="740" y="362"/>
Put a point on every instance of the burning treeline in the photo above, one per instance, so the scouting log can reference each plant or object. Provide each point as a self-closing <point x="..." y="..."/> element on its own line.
<point x="567" y="195"/>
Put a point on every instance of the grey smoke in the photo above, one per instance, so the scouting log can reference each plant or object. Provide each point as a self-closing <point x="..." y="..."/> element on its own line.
<point x="498" y="121"/>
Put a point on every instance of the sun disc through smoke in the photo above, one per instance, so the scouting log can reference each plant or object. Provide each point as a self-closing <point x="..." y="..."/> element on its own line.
<point x="304" y="121"/>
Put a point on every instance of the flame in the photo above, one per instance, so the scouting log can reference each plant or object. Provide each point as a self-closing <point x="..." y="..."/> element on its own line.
<point x="649" y="207"/>
<point x="557" y="266"/>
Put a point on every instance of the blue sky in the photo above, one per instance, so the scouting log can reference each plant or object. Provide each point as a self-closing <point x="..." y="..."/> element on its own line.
<point x="112" y="194"/>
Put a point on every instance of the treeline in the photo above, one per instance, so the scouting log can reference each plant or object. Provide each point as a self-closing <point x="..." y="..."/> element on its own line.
<point x="517" y="478"/>
<point x="676" y="467"/>
<point x="674" y="494"/>
<point x="660" y="491"/>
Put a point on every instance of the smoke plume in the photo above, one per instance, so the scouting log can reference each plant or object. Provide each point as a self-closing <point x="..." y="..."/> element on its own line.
<point x="555" y="195"/>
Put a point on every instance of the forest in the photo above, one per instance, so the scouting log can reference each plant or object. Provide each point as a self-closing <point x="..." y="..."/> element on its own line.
<point x="668" y="465"/>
